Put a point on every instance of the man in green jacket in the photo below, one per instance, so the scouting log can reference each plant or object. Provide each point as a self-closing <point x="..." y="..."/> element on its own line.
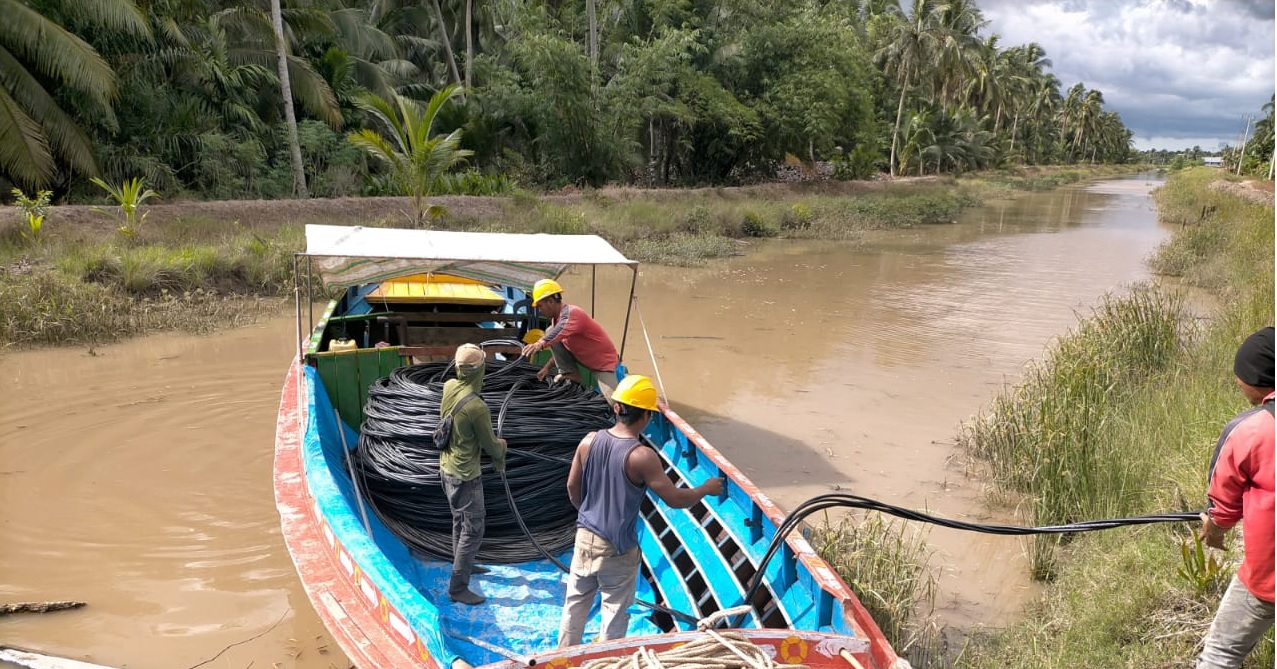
<point x="459" y="466"/>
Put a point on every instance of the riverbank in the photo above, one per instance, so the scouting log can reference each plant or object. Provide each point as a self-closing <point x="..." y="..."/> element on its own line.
<point x="1119" y="420"/>
<point x="203" y="265"/>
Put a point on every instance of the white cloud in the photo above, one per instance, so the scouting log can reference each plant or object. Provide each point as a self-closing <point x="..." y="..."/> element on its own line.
<point x="1180" y="72"/>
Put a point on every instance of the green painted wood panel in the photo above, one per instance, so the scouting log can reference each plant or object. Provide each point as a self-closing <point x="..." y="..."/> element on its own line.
<point x="390" y="360"/>
<point x="347" y="390"/>
<point x="348" y="374"/>
<point x="369" y="364"/>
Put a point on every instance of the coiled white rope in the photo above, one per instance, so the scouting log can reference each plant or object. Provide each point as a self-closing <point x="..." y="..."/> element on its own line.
<point x="712" y="650"/>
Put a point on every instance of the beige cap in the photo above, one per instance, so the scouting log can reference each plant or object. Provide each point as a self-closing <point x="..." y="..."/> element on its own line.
<point x="469" y="356"/>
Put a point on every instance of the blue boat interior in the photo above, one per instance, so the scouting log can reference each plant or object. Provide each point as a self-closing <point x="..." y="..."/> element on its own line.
<point x="696" y="561"/>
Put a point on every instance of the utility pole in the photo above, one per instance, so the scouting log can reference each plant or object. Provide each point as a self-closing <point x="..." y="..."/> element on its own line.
<point x="1245" y="134"/>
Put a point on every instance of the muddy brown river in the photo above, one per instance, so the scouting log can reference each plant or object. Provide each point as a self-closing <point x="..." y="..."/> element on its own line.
<point x="137" y="477"/>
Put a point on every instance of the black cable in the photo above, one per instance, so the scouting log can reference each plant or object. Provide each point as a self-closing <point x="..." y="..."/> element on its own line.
<point x="397" y="465"/>
<point x="562" y="567"/>
<point x="845" y="500"/>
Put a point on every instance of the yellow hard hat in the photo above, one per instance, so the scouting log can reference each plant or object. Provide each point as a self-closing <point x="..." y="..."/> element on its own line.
<point x="636" y="390"/>
<point x="533" y="336"/>
<point x="545" y="288"/>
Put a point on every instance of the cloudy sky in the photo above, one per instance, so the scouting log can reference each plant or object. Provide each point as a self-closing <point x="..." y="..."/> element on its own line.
<point x="1180" y="72"/>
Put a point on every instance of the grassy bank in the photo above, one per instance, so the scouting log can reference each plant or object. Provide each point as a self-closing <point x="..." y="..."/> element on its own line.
<point x="1118" y="420"/>
<point x="196" y="266"/>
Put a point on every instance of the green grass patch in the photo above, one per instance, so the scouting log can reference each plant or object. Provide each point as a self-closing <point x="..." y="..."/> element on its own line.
<point x="1047" y="177"/>
<point x="1222" y="239"/>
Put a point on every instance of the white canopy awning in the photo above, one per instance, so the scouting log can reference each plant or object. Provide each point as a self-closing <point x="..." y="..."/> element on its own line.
<point x="348" y="256"/>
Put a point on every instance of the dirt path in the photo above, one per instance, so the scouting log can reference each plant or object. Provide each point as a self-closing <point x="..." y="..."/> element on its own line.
<point x="1252" y="190"/>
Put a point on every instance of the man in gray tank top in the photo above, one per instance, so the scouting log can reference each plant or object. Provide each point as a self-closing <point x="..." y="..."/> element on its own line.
<point x="611" y="472"/>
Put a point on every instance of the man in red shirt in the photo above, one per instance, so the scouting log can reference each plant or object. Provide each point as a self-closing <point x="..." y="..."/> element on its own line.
<point x="573" y="337"/>
<point x="1241" y="490"/>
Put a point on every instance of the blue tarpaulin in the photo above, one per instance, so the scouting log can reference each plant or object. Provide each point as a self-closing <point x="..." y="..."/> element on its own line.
<point x="524" y="607"/>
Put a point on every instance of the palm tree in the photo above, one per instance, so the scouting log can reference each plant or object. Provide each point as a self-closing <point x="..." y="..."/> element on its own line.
<point x="1044" y="105"/>
<point x="910" y="44"/>
<point x="1088" y="120"/>
<point x="286" y="91"/>
<point x="1024" y="69"/>
<point x="37" y="54"/>
<point x="375" y="57"/>
<point x="417" y="158"/>
<point x="447" y="43"/>
<point x="957" y="48"/>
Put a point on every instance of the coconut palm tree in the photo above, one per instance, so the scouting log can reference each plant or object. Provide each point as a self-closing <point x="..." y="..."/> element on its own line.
<point x="1087" y="128"/>
<point x="416" y="157"/>
<point x="958" y="23"/>
<point x="1044" y="105"/>
<point x="37" y="53"/>
<point x="910" y="46"/>
<point x="1024" y="68"/>
<point x="286" y="92"/>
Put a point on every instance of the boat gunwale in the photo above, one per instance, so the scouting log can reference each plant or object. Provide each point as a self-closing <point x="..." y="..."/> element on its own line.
<point x="856" y="615"/>
<point x="363" y="636"/>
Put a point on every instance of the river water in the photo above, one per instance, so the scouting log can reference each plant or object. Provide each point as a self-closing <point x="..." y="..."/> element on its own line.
<point x="137" y="477"/>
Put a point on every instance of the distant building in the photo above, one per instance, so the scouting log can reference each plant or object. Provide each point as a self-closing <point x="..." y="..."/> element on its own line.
<point x="1213" y="161"/>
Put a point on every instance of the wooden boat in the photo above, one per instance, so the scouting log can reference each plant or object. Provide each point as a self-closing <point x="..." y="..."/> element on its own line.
<point x="413" y="295"/>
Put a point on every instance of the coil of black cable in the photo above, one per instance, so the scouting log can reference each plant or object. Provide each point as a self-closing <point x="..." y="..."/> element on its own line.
<point x="397" y="464"/>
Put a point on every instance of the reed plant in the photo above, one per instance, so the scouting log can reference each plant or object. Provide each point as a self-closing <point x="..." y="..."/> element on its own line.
<point x="1049" y="438"/>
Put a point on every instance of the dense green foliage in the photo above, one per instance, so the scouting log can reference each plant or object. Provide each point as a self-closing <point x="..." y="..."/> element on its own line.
<point x="186" y="93"/>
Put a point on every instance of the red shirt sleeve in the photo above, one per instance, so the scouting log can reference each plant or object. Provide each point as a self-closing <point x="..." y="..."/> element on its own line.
<point x="563" y="327"/>
<point x="1233" y="474"/>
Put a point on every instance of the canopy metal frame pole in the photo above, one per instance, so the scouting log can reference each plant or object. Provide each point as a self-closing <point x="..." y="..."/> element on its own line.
<point x="310" y="287"/>
<point x="629" y="307"/>
<point x="297" y="309"/>
<point x="594" y="282"/>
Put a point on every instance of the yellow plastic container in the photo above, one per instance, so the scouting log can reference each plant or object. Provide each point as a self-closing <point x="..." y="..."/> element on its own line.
<point x="342" y="345"/>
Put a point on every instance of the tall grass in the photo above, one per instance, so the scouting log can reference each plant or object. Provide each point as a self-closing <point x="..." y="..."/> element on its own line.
<point x="1119" y="599"/>
<point x="886" y="564"/>
<point x="1213" y="248"/>
<point x="50" y="308"/>
<point x="1050" y="437"/>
